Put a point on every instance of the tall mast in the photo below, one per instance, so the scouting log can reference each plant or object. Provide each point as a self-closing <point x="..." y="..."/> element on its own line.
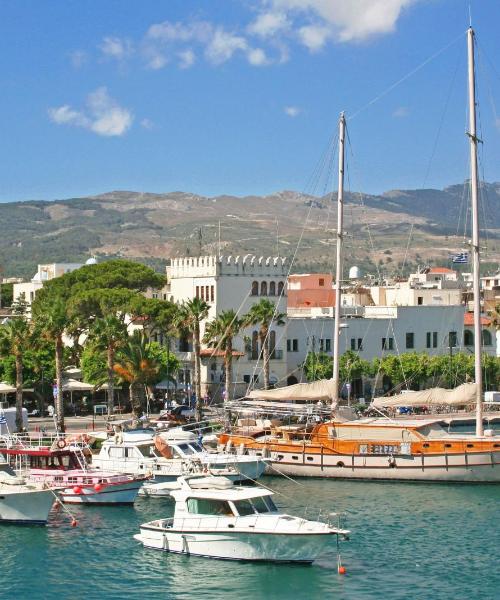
<point x="338" y="262"/>
<point x="478" y="376"/>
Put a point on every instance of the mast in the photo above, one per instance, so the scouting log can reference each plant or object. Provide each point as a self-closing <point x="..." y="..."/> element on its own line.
<point x="478" y="376"/>
<point x="338" y="262"/>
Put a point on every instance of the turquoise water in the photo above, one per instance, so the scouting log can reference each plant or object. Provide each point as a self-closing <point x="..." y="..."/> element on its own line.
<point x="417" y="541"/>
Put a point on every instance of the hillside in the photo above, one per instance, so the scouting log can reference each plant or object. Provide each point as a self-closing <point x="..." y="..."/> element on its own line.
<point x="155" y="227"/>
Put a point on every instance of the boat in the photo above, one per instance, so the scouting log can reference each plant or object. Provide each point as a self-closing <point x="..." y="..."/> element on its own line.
<point x="235" y="523"/>
<point x="172" y="454"/>
<point x="23" y="502"/>
<point x="379" y="448"/>
<point x="161" y="490"/>
<point x="61" y="464"/>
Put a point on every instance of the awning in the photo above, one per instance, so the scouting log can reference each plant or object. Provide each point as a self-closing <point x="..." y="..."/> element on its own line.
<point x="72" y="385"/>
<point x="463" y="394"/>
<point x="6" y="388"/>
<point x="323" y="390"/>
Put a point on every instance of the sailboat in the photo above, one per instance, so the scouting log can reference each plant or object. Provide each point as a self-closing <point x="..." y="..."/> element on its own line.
<point x="382" y="448"/>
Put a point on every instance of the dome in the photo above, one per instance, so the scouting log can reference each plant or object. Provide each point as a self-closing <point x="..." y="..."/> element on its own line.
<point x="354" y="273"/>
<point x="91" y="261"/>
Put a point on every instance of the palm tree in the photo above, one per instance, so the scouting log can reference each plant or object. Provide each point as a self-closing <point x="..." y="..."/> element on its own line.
<point x="13" y="342"/>
<point x="51" y="320"/>
<point x="191" y="313"/>
<point x="264" y="314"/>
<point x="108" y="334"/>
<point x="220" y="333"/>
<point x="136" y="365"/>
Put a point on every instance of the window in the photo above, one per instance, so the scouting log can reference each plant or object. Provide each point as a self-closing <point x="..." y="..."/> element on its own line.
<point x="207" y="292"/>
<point x="410" y="340"/>
<point x="263" y="288"/>
<point x="420" y="300"/>
<point x="434" y="339"/>
<point x="486" y="337"/>
<point x="272" y="288"/>
<point x="289" y="345"/>
<point x="203" y="292"/>
<point x="212" y="293"/>
<point x="388" y="343"/>
<point x="255" y="345"/>
<point x="255" y="288"/>
<point x="353" y="343"/>
<point x="468" y="338"/>
<point x="205" y="506"/>
<point x="280" y="288"/>
<point x="295" y="345"/>
<point x="321" y="282"/>
<point x="244" y="507"/>
<point x="246" y="378"/>
<point x="452" y="339"/>
<point x="328" y="345"/>
<point x="272" y="344"/>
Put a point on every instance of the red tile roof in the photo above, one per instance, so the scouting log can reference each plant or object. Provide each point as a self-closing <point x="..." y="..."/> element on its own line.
<point x="442" y="270"/>
<point x="211" y="353"/>
<point x="469" y="320"/>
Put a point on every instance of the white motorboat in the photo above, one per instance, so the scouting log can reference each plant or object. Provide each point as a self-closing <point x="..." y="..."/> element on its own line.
<point x="23" y="503"/>
<point x="235" y="523"/>
<point x="171" y="455"/>
<point x="163" y="489"/>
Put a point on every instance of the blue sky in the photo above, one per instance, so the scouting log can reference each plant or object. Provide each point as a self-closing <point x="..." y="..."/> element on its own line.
<point x="238" y="96"/>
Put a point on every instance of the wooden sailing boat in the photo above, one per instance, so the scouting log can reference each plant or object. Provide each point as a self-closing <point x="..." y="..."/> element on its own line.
<point x="375" y="448"/>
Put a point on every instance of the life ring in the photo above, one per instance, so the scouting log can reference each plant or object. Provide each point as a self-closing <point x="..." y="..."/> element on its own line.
<point x="61" y="443"/>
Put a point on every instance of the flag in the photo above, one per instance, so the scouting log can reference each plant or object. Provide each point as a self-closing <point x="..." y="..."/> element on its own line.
<point x="460" y="258"/>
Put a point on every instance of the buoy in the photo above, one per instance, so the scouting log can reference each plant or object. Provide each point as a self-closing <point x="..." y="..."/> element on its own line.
<point x="97" y="487"/>
<point x="77" y="490"/>
<point x="74" y="523"/>
<point x="342" y="570"/>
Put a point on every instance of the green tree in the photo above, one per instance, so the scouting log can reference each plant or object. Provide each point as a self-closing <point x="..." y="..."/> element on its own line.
<point x="220" y="333"/>
<point x="51" y="319"/>
<point x="410" y="368"/>
<point x="188" y="319"/>
<point x="6" y="294"/>
<point x="318" y="365"/>
<point x="14" y="341"/>
<point x="264" y="314"/>
<point x="108" y="334"/>
<point x="138" y="364"/>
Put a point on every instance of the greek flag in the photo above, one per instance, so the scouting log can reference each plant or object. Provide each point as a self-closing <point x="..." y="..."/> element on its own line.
<point x="460" y="258"/>
<point x="3" y="420"/>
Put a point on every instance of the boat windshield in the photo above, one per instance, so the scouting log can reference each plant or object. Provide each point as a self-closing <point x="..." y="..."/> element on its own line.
<point x="255" y="505"/>
<point x="206" y="506"/>
<point x="196" y="447"/>
<point x="191" y="448"/>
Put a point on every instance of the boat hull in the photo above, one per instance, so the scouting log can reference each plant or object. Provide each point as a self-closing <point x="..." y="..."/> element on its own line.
<point x="26" y="508"/>
<point x="259" y="547"/>
<point x="467" y="468"/>
<point x="123" y="493"/>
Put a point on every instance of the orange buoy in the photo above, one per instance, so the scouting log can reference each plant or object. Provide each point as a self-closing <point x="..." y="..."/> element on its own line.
<point x="77" y="489"/>
<point x="74" y="523"/>
<point x="342" y="570"/>
<point x="97" y="487"/>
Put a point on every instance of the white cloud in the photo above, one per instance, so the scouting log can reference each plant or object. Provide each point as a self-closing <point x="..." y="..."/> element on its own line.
<point x="292" y="111"/>
<point x="346" y="20"/>
<point x="117" y="48"/>
<point x="101" y="115"/>
<point x="187" y="58"/>
<point x="223" y="45"/>
<point x="268" y="24"/>
<point x="147" y="124"/>
<point x="314" y="37"/>
<point x="257" y="57"/>
<point x="401" y="112"/>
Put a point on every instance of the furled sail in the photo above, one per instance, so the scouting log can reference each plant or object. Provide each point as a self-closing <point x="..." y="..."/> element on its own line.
<point x="323" y="390"/>
<point x="463" y="394"/>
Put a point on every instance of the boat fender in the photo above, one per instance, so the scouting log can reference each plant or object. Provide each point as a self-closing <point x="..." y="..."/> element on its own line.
<point x="61" y="443"/>
<point x="392" y="461"/>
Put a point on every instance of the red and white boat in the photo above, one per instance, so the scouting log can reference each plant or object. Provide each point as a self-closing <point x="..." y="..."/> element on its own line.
<point x="61" y="463"/>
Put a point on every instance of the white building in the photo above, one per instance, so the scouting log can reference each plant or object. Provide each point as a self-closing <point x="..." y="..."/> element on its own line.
<point x="44" y="273"/>
<point x="381" y="330"/>
<point x="231" y="282"/>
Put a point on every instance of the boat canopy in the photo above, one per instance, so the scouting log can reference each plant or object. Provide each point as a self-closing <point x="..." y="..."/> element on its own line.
<point x="323" y="390"/>
<point x="463" y="394"/>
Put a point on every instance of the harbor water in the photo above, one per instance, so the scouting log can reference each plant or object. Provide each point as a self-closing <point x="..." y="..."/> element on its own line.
<point x="408" y="541"/>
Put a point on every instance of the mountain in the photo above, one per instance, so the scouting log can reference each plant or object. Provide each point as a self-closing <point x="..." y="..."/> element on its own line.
<point x="425" y="226"/>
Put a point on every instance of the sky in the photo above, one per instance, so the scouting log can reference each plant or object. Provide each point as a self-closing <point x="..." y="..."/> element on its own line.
<point x="240" y="97"/>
